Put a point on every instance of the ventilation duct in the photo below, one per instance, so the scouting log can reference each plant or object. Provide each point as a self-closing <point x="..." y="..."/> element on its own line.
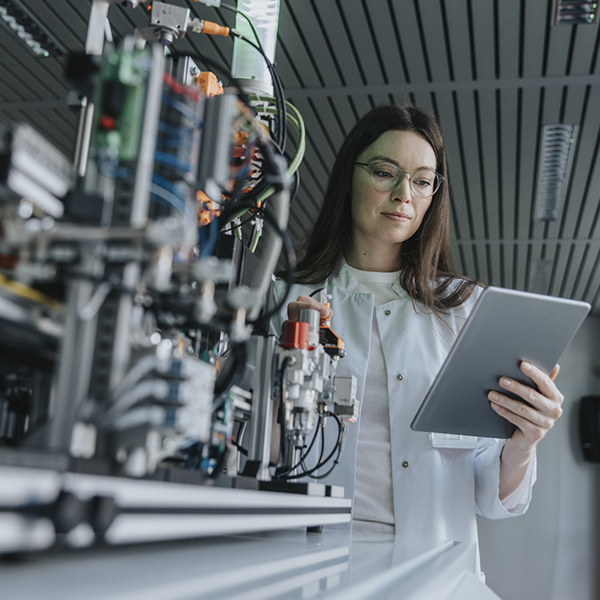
<point x="28" y="30"/>
<point x="540" y="272"/>
<point x="573" y="12"/>
<point x="556" y="159"/>
<point x="248" y="65"/>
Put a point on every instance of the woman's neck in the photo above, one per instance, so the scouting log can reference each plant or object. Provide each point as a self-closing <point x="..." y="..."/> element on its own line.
<point x="383" y="259"/>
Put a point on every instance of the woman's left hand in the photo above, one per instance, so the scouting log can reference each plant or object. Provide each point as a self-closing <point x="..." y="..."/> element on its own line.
<point x="535" y="420"/>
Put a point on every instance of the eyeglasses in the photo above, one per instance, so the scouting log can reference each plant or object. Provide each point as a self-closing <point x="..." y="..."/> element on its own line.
<point x="385" y="177"/>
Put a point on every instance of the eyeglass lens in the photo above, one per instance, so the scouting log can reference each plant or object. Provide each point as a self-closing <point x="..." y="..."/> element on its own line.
<point x="386" y="177"/>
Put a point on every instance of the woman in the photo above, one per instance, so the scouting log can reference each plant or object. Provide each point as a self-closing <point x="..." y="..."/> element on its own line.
<point x="381" y="247"/>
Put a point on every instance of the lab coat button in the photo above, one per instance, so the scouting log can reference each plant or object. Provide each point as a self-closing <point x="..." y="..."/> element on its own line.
<point x="387" y="313"/>
<point x="399" y="377"/>
<point x="405" y="464"/>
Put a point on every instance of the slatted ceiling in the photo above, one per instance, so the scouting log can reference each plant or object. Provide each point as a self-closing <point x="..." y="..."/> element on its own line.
<point x="380" y="28"/>
<point x="295" y="46"/>
<point x="558" y="51"/>
<point x="592" y="288"/>
<point x="577" y="253"/>
<point x="582" y="202"/>
<point x="460" y="58"/>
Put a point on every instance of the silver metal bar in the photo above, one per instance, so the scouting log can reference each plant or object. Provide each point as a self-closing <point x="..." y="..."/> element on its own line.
<point x="76" y="357"/>
<point x="145" y="166"/>
<point x="84" y="134"/>
<point x="262" y="409"/>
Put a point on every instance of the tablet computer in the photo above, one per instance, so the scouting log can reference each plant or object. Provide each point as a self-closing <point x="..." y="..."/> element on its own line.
<point x="504" y="328"/>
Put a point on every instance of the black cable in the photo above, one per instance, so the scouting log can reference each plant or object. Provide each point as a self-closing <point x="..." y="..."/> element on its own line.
<point x="217" y="67"/>
<point x="277" y="85"/>
<point x="316" y="292"/>
<point x="337" y="447"/>
<point x="290" y="262"/>
<point x="280" y="411"/>
<point x="233" y="374"/>
<point x="305" y="453"/>
<point x="333" y="466"/>
<point x="289" y="255"/>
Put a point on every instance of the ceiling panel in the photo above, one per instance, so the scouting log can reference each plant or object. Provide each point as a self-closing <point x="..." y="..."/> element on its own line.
<point x="494" y="72"/>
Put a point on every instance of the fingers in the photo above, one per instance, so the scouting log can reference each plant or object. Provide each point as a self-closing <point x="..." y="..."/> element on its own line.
<point x="532" y="421"/>
<point x="303" y="302"/>
<point x="544" y="383"/>
<point x="541" y="408"/>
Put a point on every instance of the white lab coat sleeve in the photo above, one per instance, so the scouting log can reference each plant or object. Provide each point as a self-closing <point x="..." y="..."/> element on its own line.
<point x="487" y="477"/>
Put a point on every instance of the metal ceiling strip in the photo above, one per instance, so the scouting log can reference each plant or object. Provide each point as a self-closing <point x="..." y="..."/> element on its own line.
<point x="435" y="39"/>
<point x="448" y="47"/>
<point x="578" y="254"/>
<point x="462" y="265"/>
<point x="299" y="219"/>
<point x="558" y="51"/>
<point x="328" y="122"/>
<point x="488" y="144"/>
<point x="595" y="64"/>
<point x="312" y="189"/>
<point x="460" y="216"/>
<point x="529" y="143"/>
<point x="547" y="25"/>
<point x="581" y="201"/>
<point x="561" y="262"/>
<point x="585" y="270"/>
<point x="387" y="40"/>
<point x="301" y="56"/>
<point x="456" y="17"/>
<point x="308" y="21"/>
<point x="405" y="22"/>
<point x="589" y="293"/>
<point x="464" y="104"/>
<point x="484" y="37"/>
<point x="581" y="60"/>
<point x="500" y="174"/>
<point x="375" y="37"/>
<point x="328" y="12"/>
<point x="44" y="74"/>
<point x="344" y="127"/>
<point x="469" y="24"/>
<point x="345" y="113"/>
<point x="353" y="19"/>
<point x="82" y="9"/>
<point x="569" y="65"/>
<point x="286" y="67"/>
<point x="422" y="40"/>
<point x="332" y="54"/>
<point x="316" y="141"/>
<point x="424" y="100"/>
<point x="66" y="26"/>
<point x="448" y="86"/>
<point x="483" y="199"/>
<point x="122" y="21"/>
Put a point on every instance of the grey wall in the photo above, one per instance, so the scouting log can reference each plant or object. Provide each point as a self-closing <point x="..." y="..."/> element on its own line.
<point x="552" y="552"/>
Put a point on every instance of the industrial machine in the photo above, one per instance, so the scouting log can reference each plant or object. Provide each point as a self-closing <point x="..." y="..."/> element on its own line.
<point x="139" y="382"/>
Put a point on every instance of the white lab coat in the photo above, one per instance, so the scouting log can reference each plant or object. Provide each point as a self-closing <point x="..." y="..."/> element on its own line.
<point x="436" y="491"/>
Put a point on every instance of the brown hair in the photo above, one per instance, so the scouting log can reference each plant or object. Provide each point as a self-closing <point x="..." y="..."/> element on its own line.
<point x="426" y="264"/>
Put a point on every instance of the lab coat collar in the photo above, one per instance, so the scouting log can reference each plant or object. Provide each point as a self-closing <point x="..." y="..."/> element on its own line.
<point x="345" y="280"/>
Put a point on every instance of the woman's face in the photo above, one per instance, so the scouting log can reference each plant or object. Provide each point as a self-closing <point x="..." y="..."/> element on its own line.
<point x="390" y="218"/>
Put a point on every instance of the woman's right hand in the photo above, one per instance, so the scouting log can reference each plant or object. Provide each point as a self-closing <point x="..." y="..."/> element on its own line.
<point x="303" y="302"/>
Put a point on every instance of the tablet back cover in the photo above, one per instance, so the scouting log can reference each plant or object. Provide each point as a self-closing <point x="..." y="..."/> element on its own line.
<point x="505" y="328"/>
